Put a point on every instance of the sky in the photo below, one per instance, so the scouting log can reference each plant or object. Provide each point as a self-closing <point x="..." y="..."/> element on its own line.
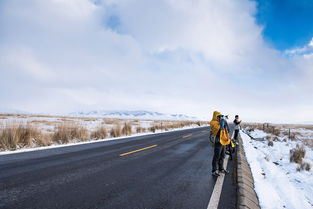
<point x="252" y="58"/>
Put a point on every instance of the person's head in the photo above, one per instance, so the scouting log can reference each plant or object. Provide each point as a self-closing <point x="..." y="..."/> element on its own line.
<point x="237" y="116"/>
<point x="220" y="117"/>
<point x="216" y="115"/>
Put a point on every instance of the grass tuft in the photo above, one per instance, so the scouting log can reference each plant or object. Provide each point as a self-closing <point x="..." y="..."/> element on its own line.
<point x="66" y="132"/>
<point x="304" y="166"/>
<point x="297" y="154"/>
<point x="116" y="131"/>
<point x="127" y="129"/>
<point x="16" y="135"/>
<point x="140" y="129"/>
<point x="270" y="143"/>
<point x="100" y="133"/>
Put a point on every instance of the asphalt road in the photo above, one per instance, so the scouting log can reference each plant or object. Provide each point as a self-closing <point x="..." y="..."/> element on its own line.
<point x="161" y="171"/>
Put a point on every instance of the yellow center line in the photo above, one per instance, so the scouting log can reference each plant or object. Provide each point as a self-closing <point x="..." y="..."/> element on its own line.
<point x="137" y="150"/>
<point x="187" y="136"/>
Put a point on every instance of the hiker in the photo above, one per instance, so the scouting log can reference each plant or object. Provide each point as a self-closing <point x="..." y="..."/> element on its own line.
<point x="229" y="149"/>
<point x="237" y="127"/>
<point x="221" y="138"/>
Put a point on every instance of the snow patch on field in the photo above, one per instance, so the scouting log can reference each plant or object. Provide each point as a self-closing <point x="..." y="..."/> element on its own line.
<point x="277" y="182"/>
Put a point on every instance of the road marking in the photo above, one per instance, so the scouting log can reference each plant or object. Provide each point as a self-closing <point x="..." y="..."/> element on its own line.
<point x="137" y="150"/>
<point x="216" y="194"/>
<point x="186" y="136"/>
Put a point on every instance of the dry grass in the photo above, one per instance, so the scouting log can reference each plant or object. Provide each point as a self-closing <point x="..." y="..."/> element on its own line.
<point x="6" y="115"/>
<point x="304" y="166"/>
<point x="152" y="129"/>
<point x="66" y="120"/>
<point x="66" y="132"/>
<point x="308" y="142"/>
<point x="64" y="129"/>
<point x="252" y="126"/>
<point x="307" y="127"/>
<point x="45" y="122"/>
<point x="286" y="131"/>
<point x="45" y="139"/>
<point x="173" y="125"/>
<point x="127" y="129"/>
<point x="273" y="130"/>
<point x="99" y="133"/>
<point x="40" y="121"/>
<point x="116" y="131"/>
<point x="270" y="143"/>
<point x="15" y="135"/>
<point x="111" y="120"/>
<point x="140" y="129"/>
<point x="296" y="126"/>
<point x="90" y="119"/>
<point x="297" y="154"/>
<point x="268" y="128"/>
<point x="21" y="116"/>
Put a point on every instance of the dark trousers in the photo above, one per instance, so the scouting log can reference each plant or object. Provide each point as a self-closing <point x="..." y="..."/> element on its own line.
<point x="218" y="158"/>
<point x="236" y="135"/>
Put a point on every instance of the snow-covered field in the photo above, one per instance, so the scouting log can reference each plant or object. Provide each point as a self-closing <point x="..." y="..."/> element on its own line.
<point x="47" y="123"/>
<point x="27" y="132"/>
<point x="280" y="183"/>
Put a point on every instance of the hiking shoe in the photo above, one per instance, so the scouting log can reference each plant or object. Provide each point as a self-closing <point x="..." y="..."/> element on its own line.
<point x="215" y="173"/>
<point x="224" y="171"/>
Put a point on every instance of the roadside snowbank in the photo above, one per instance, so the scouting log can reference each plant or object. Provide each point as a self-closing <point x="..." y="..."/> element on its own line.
<point x="277" y="182"/>
<point x="258" y="134"/>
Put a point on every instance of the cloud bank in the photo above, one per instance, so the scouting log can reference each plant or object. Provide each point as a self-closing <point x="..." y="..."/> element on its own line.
<point x="171" y="56"/>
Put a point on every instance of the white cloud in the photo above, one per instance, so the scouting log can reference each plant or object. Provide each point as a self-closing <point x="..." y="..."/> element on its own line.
<point x="311" y="43"/>
<point x="24" y="61"/>
<point x="305" y="51"/>
<point x="170" y="56"/>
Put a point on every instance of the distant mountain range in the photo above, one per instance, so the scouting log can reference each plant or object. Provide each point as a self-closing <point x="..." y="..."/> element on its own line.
<point x="12" y="111"/>
<point x="138" y="114"/>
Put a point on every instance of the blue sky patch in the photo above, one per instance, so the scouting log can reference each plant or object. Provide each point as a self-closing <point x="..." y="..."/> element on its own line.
<point x="287" y="23"/>
<point x="113" y="22"/>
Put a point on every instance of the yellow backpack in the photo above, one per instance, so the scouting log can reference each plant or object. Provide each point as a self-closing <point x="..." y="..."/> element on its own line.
<point x="224" y="137"/>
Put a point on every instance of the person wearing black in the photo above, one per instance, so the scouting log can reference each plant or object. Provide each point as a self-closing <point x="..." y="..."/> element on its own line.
<point x="217" y="124"/>
<point x="237" y="127"/>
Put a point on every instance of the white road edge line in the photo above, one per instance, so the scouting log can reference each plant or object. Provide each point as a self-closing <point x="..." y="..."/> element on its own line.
<point x="216" y="194"/>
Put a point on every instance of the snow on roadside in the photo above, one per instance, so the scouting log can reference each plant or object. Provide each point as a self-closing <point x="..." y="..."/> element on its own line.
<point x="258" y="134"/>
<point x="92" y="141"/>
<point x="277" y="182"/>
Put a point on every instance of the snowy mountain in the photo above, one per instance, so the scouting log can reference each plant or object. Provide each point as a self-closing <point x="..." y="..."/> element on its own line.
<point x="4" y="110"/>
<point x="140" y="114"/>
